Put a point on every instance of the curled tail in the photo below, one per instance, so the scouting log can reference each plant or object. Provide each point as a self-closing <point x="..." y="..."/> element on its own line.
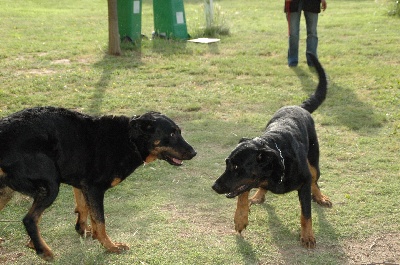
<point x="316" y="99"/>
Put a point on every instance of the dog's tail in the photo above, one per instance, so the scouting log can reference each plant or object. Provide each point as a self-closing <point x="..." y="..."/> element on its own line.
<point x="316" y="99"/>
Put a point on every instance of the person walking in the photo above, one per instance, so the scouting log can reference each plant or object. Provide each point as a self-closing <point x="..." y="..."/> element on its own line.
<point x="311" y="9"/>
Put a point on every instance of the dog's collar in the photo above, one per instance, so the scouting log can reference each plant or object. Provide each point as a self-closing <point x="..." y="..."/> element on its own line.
<point x="283" y="162"/>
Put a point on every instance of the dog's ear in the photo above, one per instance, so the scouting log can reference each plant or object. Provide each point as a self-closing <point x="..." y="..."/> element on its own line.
<point x="271" y="157"/>
<point x="144" y="124"/>
<point x="266" y="156"/>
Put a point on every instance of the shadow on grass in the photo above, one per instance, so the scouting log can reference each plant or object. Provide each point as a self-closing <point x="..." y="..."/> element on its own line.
<point x="173" y="47"/>
<point x="288" y="242"/>
<point x="246" y="250"/>
<point x="169" y="47"/>
<point x="344" y="106"/>
<point x="109" y="65"/>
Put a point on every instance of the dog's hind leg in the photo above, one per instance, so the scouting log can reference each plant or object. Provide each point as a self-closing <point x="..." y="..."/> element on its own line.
<point x="317" y="195"/>
<point x="37" y="176"/>
<point x="82" y="210"/>
<point x="6" y="193"/>
<point x="258" y="197"/>
<point x="44" y="198"/>
<point x="5" y="196"/>
<point x="241" y="219"/>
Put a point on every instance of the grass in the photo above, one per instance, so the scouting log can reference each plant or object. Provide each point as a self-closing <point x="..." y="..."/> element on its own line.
<point x="54" y="53"/>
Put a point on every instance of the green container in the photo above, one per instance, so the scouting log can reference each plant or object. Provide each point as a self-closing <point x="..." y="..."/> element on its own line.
<point x="169" y="19"/>
<point x="130" y="20"/>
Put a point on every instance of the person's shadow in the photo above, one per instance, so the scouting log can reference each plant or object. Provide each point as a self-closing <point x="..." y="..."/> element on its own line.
<point x="344" y="106"/>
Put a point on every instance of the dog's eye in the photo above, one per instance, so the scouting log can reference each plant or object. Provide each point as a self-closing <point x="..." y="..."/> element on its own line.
<point x="235" y="167"/>
<point x="172" y="135"/>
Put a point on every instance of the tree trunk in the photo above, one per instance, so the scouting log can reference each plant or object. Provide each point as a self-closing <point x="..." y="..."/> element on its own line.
<point x="113" y="34"/>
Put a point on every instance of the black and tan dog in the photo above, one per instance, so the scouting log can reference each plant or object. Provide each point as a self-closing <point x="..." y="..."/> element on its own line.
<point x="43" y="147"/>
<point x="285" y="158"/>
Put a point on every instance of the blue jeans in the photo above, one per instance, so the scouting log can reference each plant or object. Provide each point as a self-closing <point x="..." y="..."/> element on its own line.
<point x="294" y="35"/>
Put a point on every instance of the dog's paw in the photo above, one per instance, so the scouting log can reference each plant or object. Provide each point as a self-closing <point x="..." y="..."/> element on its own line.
<point x="241" y="220"/>
<point x="256" y="200"/>
<point x="46" y="253"/>
<point x="239" y="227"/>
<point x="258" y="197"/>
<point x="47" y="256"/>
<point x="117" y="248"/>
<point x="323" y="200"/>
<point x="308" y="242"/>
<point x="30" y="244"/>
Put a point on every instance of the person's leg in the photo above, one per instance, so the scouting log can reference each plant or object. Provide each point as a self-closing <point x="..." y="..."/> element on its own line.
<point x="293" y="19"/>
<point x="312" y="37"/>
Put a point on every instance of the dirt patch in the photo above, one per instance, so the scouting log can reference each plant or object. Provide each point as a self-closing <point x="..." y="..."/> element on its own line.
<point x="9" y="257"/>
<point x="195" y="216"/>
<point x="61" y="61"/>
<point x="36" y="72"/>
<point x="377" y="249"/>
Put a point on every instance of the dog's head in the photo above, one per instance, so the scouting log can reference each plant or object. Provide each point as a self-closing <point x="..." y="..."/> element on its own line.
<point x="158" y="137"/>
<point x="250" y="165"/>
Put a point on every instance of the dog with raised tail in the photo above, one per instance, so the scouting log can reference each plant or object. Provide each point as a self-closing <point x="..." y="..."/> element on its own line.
<point x="284" y="158"/>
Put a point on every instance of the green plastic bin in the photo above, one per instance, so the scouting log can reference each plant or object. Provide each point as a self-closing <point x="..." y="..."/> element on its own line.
<point x="130" y="20"/>
<point x="170" y="19"/>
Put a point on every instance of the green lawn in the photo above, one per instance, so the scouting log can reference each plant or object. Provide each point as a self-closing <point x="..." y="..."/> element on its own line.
<point x="54" y="53"/>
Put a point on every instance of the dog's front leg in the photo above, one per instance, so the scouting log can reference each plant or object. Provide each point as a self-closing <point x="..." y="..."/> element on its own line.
<point x="95" y="200"/>
<point x="307" y="235"/>
<point x="99" y="233"/>
<point x="242" y="212"/>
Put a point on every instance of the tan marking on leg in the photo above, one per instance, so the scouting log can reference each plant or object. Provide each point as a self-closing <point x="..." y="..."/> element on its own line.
<point x="258" y="197"/>
<point x="307" y="235"/>
<point x="115" y="182"/>
<point x="5" y="196"/>
<point x="4" y="199"/>
<point x="47" y="254"/>
<point x="82" y="210"/>
<point x="93" y="228"/>
<point x="241" y="219"/>
<point x="101" y="235"/>
<point x="317" y="196"/>
<point x="6" y="193"/>
<point x="30" y="244"/>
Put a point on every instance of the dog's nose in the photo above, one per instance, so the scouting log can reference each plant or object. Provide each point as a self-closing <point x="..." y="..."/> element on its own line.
<point x="193" y="153"/>
<point x="216" y="187"/>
